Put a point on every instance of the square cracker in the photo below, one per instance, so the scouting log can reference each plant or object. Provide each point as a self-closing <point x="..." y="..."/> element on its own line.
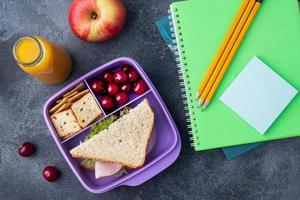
<point x="65" y="123"/>
<point x="86" y="110"/>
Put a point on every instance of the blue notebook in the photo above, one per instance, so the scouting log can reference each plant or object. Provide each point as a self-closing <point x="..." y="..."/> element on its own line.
<point x="230" y="152"/>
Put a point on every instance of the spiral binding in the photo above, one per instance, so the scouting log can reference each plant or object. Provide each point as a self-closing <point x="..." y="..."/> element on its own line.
<point x="184" y="86"/>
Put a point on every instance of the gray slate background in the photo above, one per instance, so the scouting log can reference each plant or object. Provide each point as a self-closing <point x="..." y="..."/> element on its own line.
<point x="269" y="172"/>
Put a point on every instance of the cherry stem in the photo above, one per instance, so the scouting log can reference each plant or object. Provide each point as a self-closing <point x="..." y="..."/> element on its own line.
<point x="94" y="15"/>
<point x="10" y="142"/>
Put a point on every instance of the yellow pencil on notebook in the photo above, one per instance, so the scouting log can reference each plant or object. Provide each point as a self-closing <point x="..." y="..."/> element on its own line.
<point x="222" y="48"/>
<point x="227" y="51"/>
<point x="232" y="53"/>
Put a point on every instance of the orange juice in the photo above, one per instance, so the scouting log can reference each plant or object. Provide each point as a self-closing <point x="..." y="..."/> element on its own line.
<point x="45" y="61"/>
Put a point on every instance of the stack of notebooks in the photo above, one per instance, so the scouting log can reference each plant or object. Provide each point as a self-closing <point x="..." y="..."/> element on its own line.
<point x="271" y="46"/>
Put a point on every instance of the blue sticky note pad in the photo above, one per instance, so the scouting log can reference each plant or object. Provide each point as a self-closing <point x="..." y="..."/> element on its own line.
<point x="262" y="88"/>
<point x="230" y="152"/>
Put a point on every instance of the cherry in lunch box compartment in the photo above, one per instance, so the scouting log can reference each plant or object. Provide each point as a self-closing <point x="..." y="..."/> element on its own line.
<point x="117" y="86"/>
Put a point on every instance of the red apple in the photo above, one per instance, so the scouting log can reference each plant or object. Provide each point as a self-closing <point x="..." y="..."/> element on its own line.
<point x="97" y="20"/>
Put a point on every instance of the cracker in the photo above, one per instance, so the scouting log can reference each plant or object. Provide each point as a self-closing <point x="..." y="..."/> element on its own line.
<point x="64" y="107"/>
<point x="59" y="100"/>
<point x="68" y="97"/>
<point x="57" y="106"/>
<point x="71" y="94"/>
<point x="66" y="137"/>
<point x="78" y="88"/>
<point x="86" y="110"/>
<point x="78" y="96"/>
<point x="65" y="123"/>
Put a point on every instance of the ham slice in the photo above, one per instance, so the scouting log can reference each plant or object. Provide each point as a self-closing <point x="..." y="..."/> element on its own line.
<point x="103" y="169"/>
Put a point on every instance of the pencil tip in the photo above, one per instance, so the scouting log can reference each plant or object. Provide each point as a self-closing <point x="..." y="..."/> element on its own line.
<point x="200" y="103"/>
<point x="205" y="105"/>
<point x="197" y="95"/>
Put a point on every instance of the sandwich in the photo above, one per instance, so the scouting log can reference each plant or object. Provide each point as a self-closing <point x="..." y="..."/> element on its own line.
<point x="118" y="143"/>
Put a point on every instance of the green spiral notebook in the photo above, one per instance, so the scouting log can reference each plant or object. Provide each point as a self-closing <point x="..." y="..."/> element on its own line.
<point x="200" y="27"/>
<point x="230" y="152"/>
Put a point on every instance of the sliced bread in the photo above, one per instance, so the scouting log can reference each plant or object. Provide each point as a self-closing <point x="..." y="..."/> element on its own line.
<point x="65" y="123"/>
<point x="125" y="141"/>
<point x="86" y="110"/>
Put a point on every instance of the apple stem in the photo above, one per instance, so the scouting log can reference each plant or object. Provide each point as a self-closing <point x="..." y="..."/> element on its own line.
<point x="94" y="15"/>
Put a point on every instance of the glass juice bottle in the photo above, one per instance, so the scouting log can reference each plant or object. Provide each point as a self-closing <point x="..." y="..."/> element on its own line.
<point x="42" y="59"/>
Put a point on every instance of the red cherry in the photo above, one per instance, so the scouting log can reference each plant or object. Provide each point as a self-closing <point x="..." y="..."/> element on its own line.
<point x="133" y="75"/>
<point x="140" y="88"/>
<point x="120" y="77"/>
<point x="26" y="149"/>
<point x="107" y="102"/>
<point x="112" y="89"/>
<point x="121" y="98"/>
<point x="126" y="68"/>
<point x="108" y="77"/>
<point x="98" y="86"/>
<point x="126" y="87"/>
<point x="50" y="173"/>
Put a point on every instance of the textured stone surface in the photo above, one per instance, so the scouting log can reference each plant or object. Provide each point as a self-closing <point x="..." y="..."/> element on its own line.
<point x="269" y="172"/>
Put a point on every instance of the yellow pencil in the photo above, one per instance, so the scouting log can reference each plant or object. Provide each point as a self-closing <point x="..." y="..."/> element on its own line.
<point x="222" y="48"/>
<point x="232" y="52"/>
<point x="228" y="48"/>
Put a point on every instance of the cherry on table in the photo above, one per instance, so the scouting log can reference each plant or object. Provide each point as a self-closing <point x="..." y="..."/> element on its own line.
<point x="50" y="173"/>
<point x="98" y="86"/>
<point x="140" y="87"/>
<point x="107" y="102"/>
<point x="121" y="98"/>
<point x="126" y="87"/>
<point x="120" y="77"/>
<point x="108" y="77"/>
<point x="133" y="75"/>
<point x="112" y="88"/>
<point x="26" y="149"/>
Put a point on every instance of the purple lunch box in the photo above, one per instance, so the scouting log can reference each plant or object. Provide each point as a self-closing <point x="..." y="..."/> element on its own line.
<point x="164" y="153"/>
